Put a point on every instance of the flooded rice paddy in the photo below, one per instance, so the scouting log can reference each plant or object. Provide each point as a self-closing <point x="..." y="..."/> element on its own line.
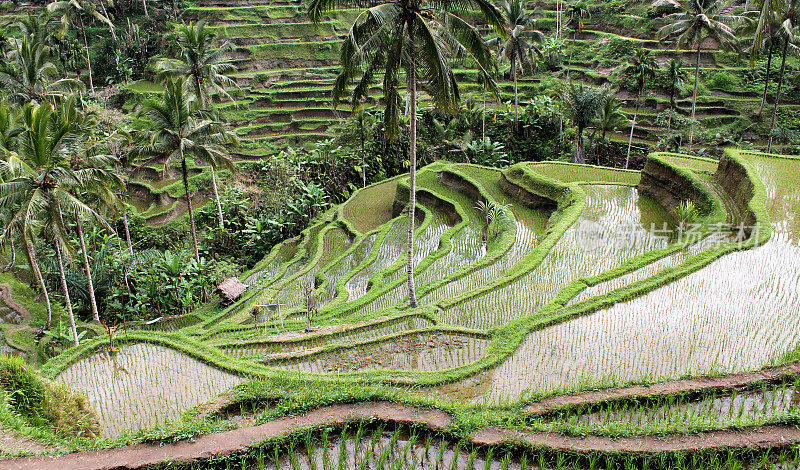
<point x="739" y="313"/>
<point x="585" y="249"/>
<point x="143" y="385"/>
<point x="427" y="351"/>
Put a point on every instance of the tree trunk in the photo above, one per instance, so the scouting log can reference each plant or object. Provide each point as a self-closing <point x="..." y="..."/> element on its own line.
<point x="566" y="83"/>
<point x="778" y="93"/>
<point x="579" y="155"/>
<point x="199" y="90"/>
<point x="412" y="197"/>
<point x="363" y="159"/>
<point x="127" y="232"/>
<point x="571" y="49"/>
<point x="31" y="251"/>
<point x="216" y="197"/>
<point x="766" y="79"/>
<point x="671" y="106"/>
<point x="185" y="172"/>
<point x="633" y="126"/>
<point x="13" y="255"/>
<point x="144" y="4"/>
<point x="516" y="96"/>
<point x="88" y="58"/>
<point x="110" y="28"/>
<point x="483" y="117"/>
<point x="694" y="96"/>
<point x="88" y="269"/>
<point x="67" y="301"/>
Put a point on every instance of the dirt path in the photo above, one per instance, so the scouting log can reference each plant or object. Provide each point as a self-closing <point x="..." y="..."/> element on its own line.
<point x="11" y="443"/>
<point x="702" y="384"/>
<point x="766" y="437"/>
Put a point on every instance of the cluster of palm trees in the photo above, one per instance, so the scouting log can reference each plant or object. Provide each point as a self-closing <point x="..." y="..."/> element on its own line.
<point x="54" y="175"/>
<point x="59" y="173"/>
<point x="777" y="22"/>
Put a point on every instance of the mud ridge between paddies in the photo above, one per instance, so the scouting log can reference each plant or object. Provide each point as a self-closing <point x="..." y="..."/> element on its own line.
<point x="242" y="439"/>
<point x="693" y="385"/>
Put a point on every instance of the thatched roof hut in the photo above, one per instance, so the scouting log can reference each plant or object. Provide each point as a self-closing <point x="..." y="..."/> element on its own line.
<point x="231" y="289"/>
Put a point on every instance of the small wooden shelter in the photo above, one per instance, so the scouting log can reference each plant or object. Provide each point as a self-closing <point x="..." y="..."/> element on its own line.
<point x="231" y="289"/>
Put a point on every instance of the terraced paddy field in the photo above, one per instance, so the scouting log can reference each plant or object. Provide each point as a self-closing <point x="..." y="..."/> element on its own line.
<point x="530" y="331"/>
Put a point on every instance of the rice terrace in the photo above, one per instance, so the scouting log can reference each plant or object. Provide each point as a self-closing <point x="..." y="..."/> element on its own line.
<point x="412" y="234"/>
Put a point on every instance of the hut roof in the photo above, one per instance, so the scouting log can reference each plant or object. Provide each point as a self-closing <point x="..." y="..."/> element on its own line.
<point x="230" y="289"/>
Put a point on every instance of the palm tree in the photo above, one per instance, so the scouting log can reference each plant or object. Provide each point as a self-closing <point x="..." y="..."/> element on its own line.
<point x="71" y="9"/>
<point x="522" y="40"/>
<point x="766" y="33"/>
<point x="701" y="19"/>
<point x="676" y="76"/>
<point x="41" y="187"/>
<point x="583" y="104"/>
<point x="420" y="37"/>
<point x="180" y="129"/>
<point x="30" y="76"/>
<point x="37" y="28"/>
<point x="576" y="13"/>
<point x="204" y="67"/>
<point x="610" y="116"/>
<point x="786" y="13"/>
<point x="642" y="68"/>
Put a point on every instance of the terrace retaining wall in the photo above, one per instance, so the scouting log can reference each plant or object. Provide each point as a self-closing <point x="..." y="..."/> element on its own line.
<point x="447" y="208"/>
<point x="732" y="175"/>
<point x="669" y="187"/>
<point x="524" y="197"/>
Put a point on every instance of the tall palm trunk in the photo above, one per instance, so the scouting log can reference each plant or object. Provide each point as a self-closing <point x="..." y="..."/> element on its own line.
<point x="671" y="105"/>
<point x="127" y="232"/>
<point x="571" y="49"/>
<point x="516" y="96"/>
<point x="31" y="252"/>
<point x="766" y="79"/>
<point x="185" y="172"/>
<point x="778" y="93"/>
<point x="483" y="117"/>
<point x="412" y="197"/>
<point x="88" y="58"/>
<point x="569" y="68"/>
<point x="216" y="197"/>
<point x="633" y="126"/>
<point x="694" y="96"/>
<point x="67" y="300"/>
<point x="202" y="96"/>
<point x="88" y="269"/>
<point x="580" y="157"/>
<point x="13" y="254"/>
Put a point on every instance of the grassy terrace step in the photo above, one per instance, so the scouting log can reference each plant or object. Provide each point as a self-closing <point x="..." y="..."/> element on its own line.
<point x="275" y="31"/>
<point x="321" y="50"/>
